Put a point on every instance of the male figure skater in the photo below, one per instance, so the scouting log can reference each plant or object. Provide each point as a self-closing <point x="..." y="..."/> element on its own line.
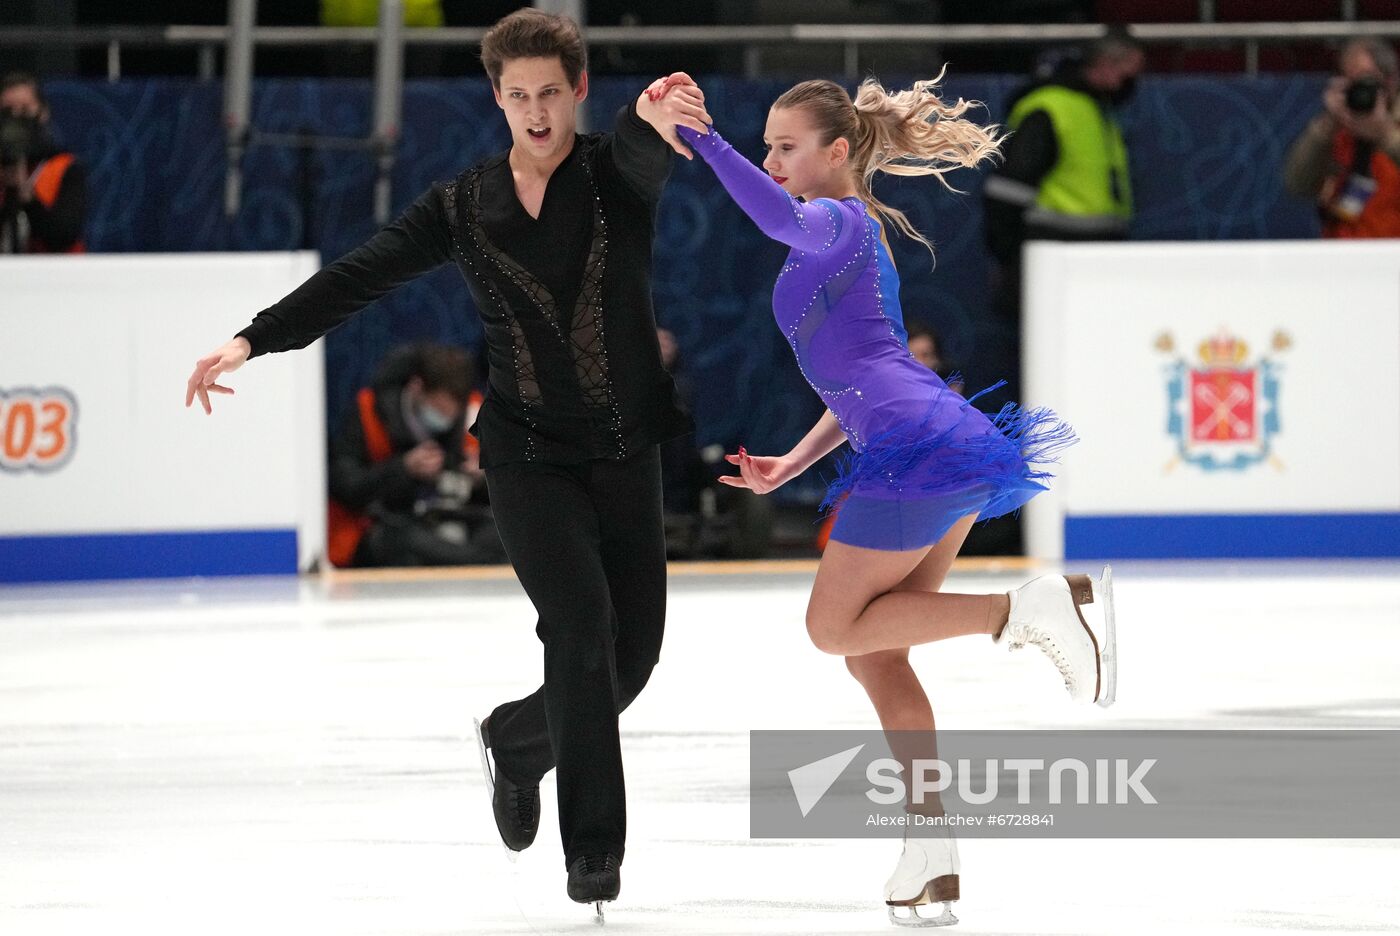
<point x="554" y="238"/>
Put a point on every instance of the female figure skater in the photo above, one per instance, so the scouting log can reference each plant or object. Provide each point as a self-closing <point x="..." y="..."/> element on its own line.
<point x="926" y="462"/>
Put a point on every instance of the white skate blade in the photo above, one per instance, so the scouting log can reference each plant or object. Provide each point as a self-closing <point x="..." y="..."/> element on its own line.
<point x="913" y="920"/>
<point x="1108" y="653"/>
<point x="490" y="783"/>
<point x="598" y="912"/>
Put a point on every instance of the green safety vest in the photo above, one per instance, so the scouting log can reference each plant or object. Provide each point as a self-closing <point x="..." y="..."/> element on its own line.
<point x="366" y="12"/>
<point x="1091" y="153"/>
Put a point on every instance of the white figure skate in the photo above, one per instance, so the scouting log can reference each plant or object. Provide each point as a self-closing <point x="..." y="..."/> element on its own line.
<point x="927" y="873"/>
<point x="1047" y="612"/>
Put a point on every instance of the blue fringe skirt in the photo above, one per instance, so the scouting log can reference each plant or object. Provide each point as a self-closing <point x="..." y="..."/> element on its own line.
<point x="910" y="484"/>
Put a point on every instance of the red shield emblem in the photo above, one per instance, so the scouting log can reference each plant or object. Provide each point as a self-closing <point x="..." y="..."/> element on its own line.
<point x="1222" y="405"/>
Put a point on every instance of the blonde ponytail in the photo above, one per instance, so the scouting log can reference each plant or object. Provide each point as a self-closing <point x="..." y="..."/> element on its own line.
<point x="907" y="133"/>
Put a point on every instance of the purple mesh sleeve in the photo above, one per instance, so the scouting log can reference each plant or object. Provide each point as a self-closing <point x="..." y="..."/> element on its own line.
<point x="808" y="227"/>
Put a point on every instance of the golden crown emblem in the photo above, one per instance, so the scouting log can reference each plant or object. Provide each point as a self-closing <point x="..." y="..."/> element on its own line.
<point x="1223" y="350"/>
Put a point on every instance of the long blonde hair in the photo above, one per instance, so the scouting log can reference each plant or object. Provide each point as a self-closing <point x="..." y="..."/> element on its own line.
<point x="908" y="133"/>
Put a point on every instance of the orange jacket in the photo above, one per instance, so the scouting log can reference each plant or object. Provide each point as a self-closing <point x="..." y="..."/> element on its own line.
<point x="346" y="527"/>
<point x="1381" y="216"/>
<point x="48" y="181"/>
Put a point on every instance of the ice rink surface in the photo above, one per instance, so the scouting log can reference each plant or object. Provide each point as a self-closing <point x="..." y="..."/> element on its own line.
<point x="274" y="756"/>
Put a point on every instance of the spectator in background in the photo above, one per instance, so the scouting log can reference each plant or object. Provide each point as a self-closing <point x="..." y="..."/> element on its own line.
<point x="1064" y="175"/>
<point x="403" y="484"/>
<point x="43" y="188"/>
<point x="705" y="519"/>
<point x="927" y="349"/>
<point x="1348" y="157"/>
<point x="684" y="474"/>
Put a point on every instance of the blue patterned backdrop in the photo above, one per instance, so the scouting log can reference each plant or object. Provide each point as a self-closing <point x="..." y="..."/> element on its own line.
<point x="1206" y="155"/>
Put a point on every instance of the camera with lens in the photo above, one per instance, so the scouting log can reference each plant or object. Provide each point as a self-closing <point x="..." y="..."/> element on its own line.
<point x="17" y="135"/>
<point x="1362" y="95"/>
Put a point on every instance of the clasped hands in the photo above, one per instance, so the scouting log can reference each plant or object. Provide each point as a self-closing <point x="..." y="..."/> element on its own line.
<point x="673" y="101"/>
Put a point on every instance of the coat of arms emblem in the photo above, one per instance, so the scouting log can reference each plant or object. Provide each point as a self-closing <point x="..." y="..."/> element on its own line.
<point x="1222" y="409"/>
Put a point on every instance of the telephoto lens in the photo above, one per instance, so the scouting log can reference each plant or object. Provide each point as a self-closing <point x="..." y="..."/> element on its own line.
<point x="1362" y="95"/>
<point x="16" y="136"/>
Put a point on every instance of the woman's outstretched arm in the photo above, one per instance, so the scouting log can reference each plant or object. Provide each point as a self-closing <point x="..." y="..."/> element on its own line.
<point x="764" y="473"/>
<point x="810" y="227"/>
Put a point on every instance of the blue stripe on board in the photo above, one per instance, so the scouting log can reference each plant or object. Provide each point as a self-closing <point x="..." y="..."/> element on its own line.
<point x="70" y="558"/>
<point x="1233" y="536"/>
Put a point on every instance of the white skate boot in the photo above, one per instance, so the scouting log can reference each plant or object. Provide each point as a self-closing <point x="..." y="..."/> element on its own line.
<point x="927" y="873"/>
<point x="1046" y="612"/>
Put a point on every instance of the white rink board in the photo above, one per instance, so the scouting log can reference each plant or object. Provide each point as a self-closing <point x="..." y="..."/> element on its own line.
<point x="121" y="335"/>
<point x="1107" y="326"/>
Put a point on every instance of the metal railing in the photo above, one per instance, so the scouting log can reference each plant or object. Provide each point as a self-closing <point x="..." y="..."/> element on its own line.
<point x="390" y="38"/>
<point x="849" y="38"/>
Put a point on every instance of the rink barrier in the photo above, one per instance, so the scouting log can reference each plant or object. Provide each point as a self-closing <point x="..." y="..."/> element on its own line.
<point x="1326" y="536"/>
<point x="1232" y="399"/>
<point x="147" y="555"/>
<point x="975" y="565"/>
<point x="104" y="472"/>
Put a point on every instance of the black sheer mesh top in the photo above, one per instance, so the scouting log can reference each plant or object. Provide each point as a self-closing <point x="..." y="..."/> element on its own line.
<point x="574" y="365"/>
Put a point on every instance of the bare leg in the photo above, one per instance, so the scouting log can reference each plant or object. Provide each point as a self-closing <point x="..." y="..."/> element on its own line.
<point x="891" y="683"/>
<point x="857" y="609"/>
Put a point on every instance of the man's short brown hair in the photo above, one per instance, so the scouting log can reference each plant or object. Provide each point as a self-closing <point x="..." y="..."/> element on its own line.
<point x="528" y="33"/>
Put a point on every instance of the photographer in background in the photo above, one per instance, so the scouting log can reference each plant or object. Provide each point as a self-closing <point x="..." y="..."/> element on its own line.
<point x="43" y="190"/>
<point x="406" y="486"/>
<point x="1348" y="157"/>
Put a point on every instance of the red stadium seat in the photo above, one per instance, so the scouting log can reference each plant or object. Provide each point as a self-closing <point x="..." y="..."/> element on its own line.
<point x="1277" y="11"/>
<point x="1298" y="57"/>
<point x="1138" y="11"/>
<point x="1176" y="58"/>
<point x="1378" y="9"/>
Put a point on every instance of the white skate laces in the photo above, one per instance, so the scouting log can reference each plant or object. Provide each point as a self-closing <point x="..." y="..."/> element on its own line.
<point x="1047" y="613"/>
<point x="1019" y="634"/>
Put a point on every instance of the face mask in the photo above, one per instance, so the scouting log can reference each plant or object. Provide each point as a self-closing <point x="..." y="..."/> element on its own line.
<point x="1125" y="91"/>
<point x="434" y="421"/>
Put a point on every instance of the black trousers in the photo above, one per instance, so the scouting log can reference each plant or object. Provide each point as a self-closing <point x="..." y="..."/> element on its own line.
<point x="588" y="544"/>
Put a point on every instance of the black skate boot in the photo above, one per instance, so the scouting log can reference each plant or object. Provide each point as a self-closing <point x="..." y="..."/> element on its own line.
<point x="517" y="808"/>
<point x="594" y="879"/>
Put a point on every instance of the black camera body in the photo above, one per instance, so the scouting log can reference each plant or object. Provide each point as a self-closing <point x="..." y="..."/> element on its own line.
<point x="18" y="134"/>
<point x="1362" y="95"/>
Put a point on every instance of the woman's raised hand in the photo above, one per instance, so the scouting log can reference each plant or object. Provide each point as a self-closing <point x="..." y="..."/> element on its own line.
<point x="207" y="370"/>
<point x="665" y="110"/>
<point x="761" y="473"/>
<point x="659" y="88"/>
